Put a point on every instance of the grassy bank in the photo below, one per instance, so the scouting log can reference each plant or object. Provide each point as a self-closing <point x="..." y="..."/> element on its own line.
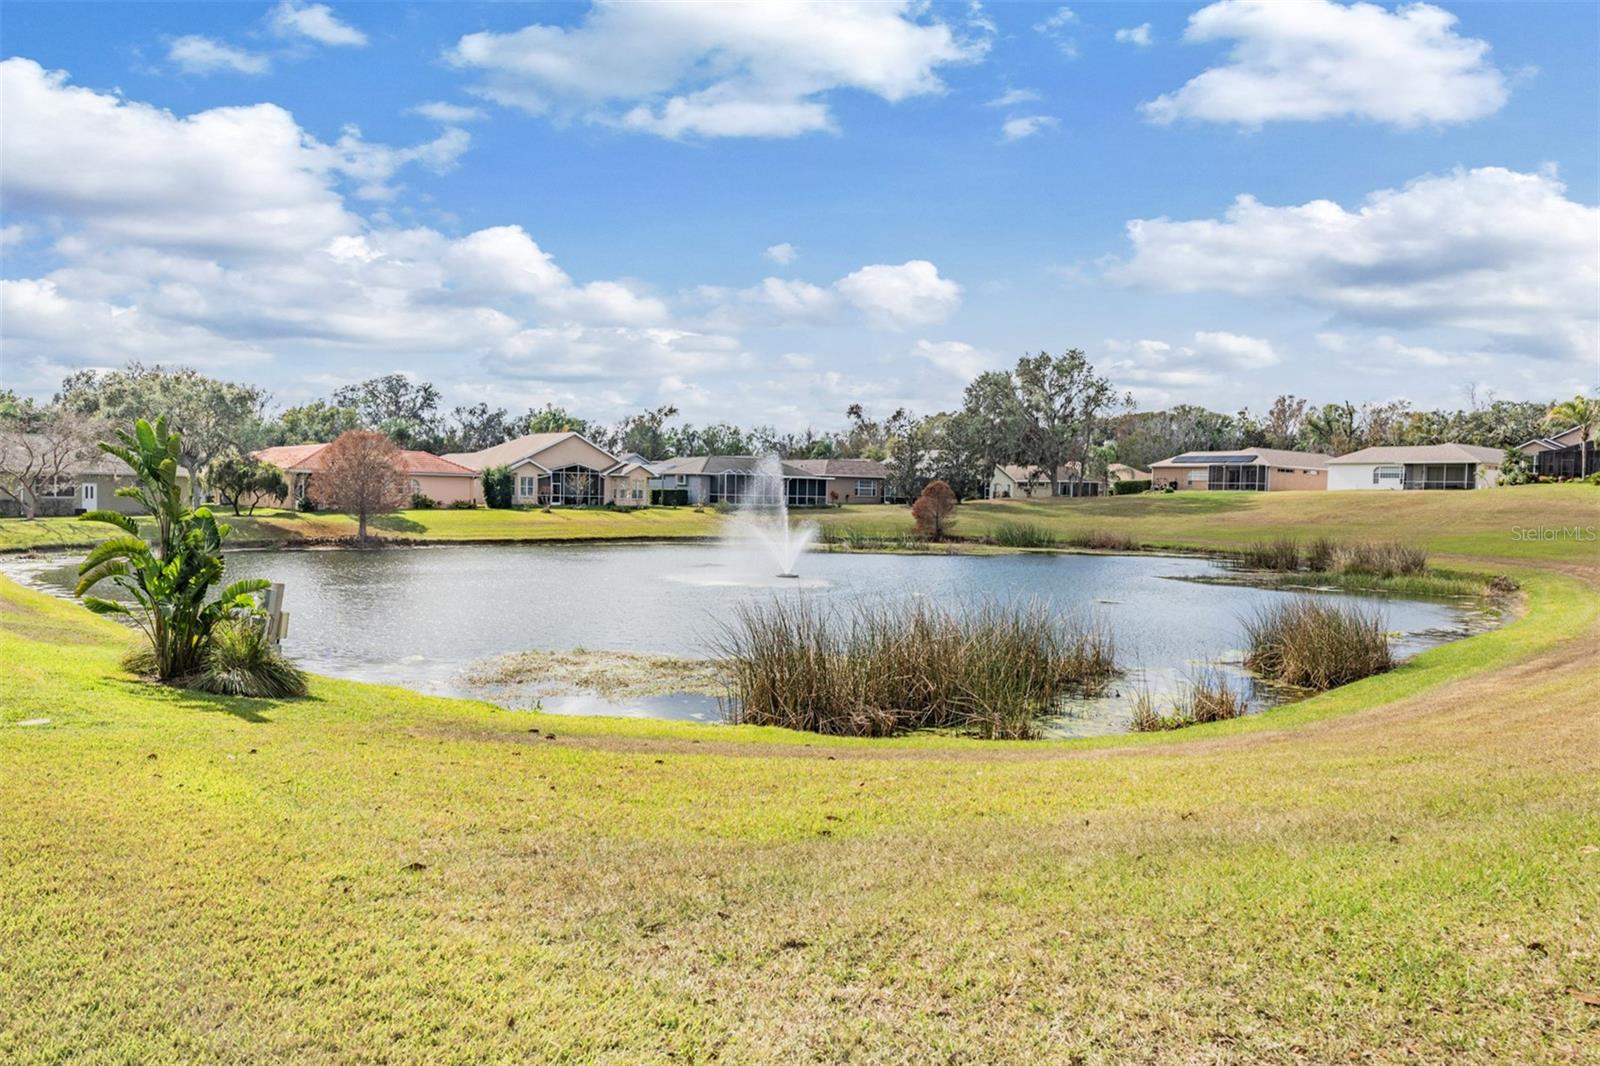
<point x="289" y="528"/>
<point x="1403" y="869"/>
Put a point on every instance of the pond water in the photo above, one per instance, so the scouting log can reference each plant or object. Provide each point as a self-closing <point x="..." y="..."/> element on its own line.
<point x="418" y="617"/>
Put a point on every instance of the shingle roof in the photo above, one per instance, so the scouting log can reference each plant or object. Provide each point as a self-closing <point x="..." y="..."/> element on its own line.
<point x="853" y="468"/>
<point x="91" y="462"/>
<point x="309" y="458"/>
<point x="1263" y="456"/>
<point x="1424" y="453"/>
<point x="1020" y="474"/>
<point x="514" y="451"/>
<point x="726" y="464"/>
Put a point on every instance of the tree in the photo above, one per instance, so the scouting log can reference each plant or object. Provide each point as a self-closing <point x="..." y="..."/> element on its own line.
<point x="1582" y="412"/>
<point x="935" y="510"/>
<point x="477" y="427"/>
<point x="645" y="432"/>
<point x="360" y="476"/>
<point x="1061" y="401"/>
<point x="552" y="419"/>
<point x="39" y="446"/>
<point x="169" y="582"/>
<point x="1516" y="468"/>
<point x="907" y="455"/>
<point x="404" y="410"/>
<point x="498" y="486"/>
<point x="211" y="417"/>
<point x="240" y="478"/>
<point x="1285" y="418"/>
<point x="1331" y="428"/>
<point x="313" y="423"/>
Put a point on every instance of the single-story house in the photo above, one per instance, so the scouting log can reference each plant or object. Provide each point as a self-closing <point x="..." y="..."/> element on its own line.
<point x="739" y="479"/>
<point x="87" y="483"/>
<point x="854" y="480"/>
<point x="1013" y="482"/>
<point x="1562" y="455"/>
<point x="1427" y="466"/>
<point x="1245" y="469"/>
<point x="441" y="480"/>
<point x="1123" y="472"/>
<point x="563" y="470"/>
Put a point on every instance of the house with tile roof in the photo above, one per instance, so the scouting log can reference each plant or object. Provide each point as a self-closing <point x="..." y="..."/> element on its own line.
<point x="429" y="475"/>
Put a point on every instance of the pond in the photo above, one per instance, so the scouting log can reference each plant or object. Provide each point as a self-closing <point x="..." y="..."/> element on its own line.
<point x="420" y="616"/>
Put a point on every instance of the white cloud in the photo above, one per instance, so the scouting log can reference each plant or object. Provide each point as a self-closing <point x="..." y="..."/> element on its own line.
<point x="784" y="253"/>
<point x="1386" y="354"/>
<point x="1013" y="97"/>
<point x="1057" y="27"/>
<point x="1022" y="126"/>
<point x="1499" y="253"/>
<point x="895" y="297"/>
<point x="447" y="113"/>
<point x="1316" y="59"/>
<point x="957" y="358"/>
<point x="1236" y="350"/>
<point x="373" y="165"/>
<point x="194" y="54"/>
<point x="748" y="69"/>
<point x="315" y="22"/>
<point x="1137" y="35"/>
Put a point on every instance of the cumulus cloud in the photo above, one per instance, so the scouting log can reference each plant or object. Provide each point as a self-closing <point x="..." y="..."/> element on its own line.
<point x="1058" y="27"/>
<point x="784" y="253"/>
<point x="1013" y="97"/>
<point x="1137" y="35"/>
<point x="194" y="54"/>
<point x="895" y="297"/>
<point x="1023" y="126"/>
<point x="957" y="358"/>
<point x="1316" y="60"/>
<point x="313" y="22"/>
<point x="447" y="113"/>
<point x="747" y="69"/>
<point x="1493" y="251"/>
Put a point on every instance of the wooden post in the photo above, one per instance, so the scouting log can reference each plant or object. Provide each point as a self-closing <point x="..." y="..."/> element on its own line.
<point x="277" y="617"/>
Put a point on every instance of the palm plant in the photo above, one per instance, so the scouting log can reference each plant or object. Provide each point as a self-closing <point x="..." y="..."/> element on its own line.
<point x="167" y="582"/>
<point x="1584" y="413"/>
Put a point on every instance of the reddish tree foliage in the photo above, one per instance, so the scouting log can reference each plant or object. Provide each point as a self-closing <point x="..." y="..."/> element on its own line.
<point x="935" y="510"/>
<point x="361" y="476"/>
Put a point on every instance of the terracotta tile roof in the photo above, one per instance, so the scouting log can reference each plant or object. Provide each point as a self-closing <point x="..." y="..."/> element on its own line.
<point x="307" y="458"/>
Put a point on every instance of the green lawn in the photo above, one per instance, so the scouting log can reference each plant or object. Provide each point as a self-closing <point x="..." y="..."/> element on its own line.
<point x="1403" y="870"/>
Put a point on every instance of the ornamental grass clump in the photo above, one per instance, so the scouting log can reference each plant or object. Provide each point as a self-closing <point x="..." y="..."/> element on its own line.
<point x="240" y="661"/>
<point x="1023" y="535"/>
<point x="880" y="670"/>
<point x="1281" y="555"/>
<point x="1386" y="559"/>
<point x="1312" y="644"/>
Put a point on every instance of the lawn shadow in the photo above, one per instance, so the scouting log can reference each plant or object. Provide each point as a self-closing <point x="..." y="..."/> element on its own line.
<point x="246" y="708"/>
<point x="397" y="524"/>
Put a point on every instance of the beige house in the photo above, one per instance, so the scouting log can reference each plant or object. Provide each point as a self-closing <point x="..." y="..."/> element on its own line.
<point x="1565" y="454"/>
<point x="1028" y="482"/>
<point x="88" y="482"/>
<point x="852" y="480"/>
<point x="563" y="470"/>
<point x="440" y="480"/>
<point x="1243" y="470"/>
<point x="1428" y="466"/>
<point x="1123" y="472"/>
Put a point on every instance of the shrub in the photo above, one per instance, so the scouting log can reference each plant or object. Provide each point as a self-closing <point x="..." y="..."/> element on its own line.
<point x="1130" y="488"/>
<point x="243" y="481"/>
<point x="1103" y="540"/>
<point x="670" y="497"/>
<point x="935" y="510"/>
<point x="463" y="505"/>
<point x="239" y="660"/>
<point x="723" y="507"/>
<point x="498" y="487"/>
<point x="1023" y="535"/>
<point x="422" y="502"/>
<point x="1282" y="554"/>
<point x="1312" y="644"/>
<point x="305" y="505"/>
<point x="883" y="670"/>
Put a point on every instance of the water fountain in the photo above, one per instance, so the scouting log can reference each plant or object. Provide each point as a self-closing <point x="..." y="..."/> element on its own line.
<point x="762" y="518"/>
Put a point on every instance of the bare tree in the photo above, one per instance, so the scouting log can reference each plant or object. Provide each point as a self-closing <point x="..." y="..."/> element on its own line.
<point x="39" y="446"/>
<point x="360" y="476"/>
<point x="935" y="510"/>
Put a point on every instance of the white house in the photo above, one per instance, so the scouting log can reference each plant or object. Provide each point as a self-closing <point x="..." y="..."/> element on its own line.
<point x="1428" y="466"/>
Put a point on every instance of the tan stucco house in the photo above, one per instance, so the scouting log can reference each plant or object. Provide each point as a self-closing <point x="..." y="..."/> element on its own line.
<point x="563" y="470"/>
<point x="1011" y="481"/>
<point x="851" y="480"/>
<point x="1563" y="455"/>
<point x="441" y="480"/>
<point x="1243" y="469"/>
<point x="1427" y="466"/>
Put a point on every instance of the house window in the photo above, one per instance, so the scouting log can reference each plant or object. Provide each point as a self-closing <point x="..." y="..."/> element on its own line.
<point x="416" y="487"/>
<point x="866" y="487"/>
<point x="1199" y="477"/>
<point x="527" y="486"/>
<point x="682" y="480"/>
<point x="1381" y="474"/>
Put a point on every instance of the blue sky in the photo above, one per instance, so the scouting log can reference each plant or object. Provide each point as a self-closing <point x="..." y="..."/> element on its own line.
<point x="955" y="185"/>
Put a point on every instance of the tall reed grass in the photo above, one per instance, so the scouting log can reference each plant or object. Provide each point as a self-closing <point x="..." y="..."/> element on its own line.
<point x="1312" y="644"/>
<point x="1323" y="556"/>
<point x="1205" y="697"/>
<point x="879" y="670"/>
<point x="1024" y="535"/>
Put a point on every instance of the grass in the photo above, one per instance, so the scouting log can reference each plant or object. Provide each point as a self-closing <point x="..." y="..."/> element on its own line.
<point x="1206" y="697"/>
<point x="882" y="670"/>
<point x="1317" y="645"/>
<point x="1403" y="869"/>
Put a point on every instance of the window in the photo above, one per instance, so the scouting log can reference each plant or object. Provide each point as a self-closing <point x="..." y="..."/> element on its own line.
<point x="576" y="486"/>
<point x="866" y="487"/>
<point x="1237" y="477"/>
<point x="416" y="487"/>
<point x="682" y="480"/>
<point x="1198" y="477"/>
<point x="1381" y="474"/>
<point x="527" y="486"/>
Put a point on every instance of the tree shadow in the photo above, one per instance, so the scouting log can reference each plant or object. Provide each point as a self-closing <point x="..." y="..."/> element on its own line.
<point x="397" y="524"/>
<point x="245" y="708"/>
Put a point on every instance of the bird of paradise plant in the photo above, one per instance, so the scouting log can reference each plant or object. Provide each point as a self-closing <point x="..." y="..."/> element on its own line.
<point x="167" y="582"/>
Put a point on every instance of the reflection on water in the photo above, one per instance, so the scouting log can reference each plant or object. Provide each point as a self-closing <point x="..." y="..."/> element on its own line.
<point x="418" y="616"/>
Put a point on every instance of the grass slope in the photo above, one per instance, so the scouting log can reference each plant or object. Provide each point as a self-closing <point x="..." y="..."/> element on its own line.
<point x="1406" y="869"/>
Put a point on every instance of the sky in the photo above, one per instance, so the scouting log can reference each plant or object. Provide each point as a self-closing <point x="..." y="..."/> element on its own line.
<point x="763" y="213"/>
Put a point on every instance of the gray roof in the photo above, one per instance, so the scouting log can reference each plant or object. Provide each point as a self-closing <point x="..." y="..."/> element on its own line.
<point x="1424" y="453"/>
<point x="1262" y="457"/>
<point x="725" y="464"/>
<point x="89" y="462"/>
<point x="854" y="468"/>
<point x="515" y="451"/>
